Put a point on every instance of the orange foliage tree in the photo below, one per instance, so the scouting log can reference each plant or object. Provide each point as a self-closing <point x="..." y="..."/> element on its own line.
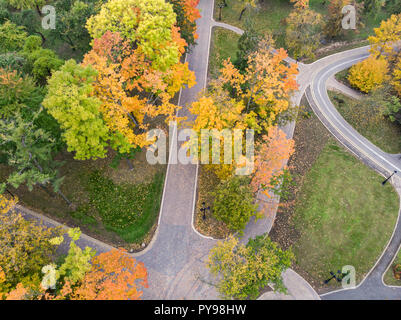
<point x="268" y="84"/>
<point x="130" y="88"/>
<point x="275" y="149"/>
<point x="114" y="276"/>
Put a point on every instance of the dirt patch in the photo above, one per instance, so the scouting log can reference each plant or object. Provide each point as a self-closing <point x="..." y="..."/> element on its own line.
<point x="207" y="182"/>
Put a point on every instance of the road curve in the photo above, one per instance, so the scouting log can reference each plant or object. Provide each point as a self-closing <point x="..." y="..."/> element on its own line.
<point x="372" y="287"/>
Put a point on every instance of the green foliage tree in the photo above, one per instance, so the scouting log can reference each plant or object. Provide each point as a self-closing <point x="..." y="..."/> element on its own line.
<point x="71" y="102"/>
<point x="12" y="61"/>
<point x="234" y="203"/>
<point x="247" y="44"/>
<point x="71" y="20"/>
<point x="244" y="270"/>
<point x="303" y="31"/>
<point x="28" y="150"/>
<point x="77" y="262"/>
<point x="27" y="4"/>
<point x="12" y="37"/>
<point x="40" y="63"/>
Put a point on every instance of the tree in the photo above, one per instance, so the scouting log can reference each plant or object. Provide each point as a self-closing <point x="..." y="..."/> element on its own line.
<point x="187" y="14"/>
<point x="248" y="43"/>
<point x="275" y="149"/>
<point x="233" y="203"/>
<point x="28" y="150"/>
<point x="25" y="247"/>
<point x="389" y="32"/>
<point x="303" y="30"/>
<point x="131" y="89"/>
<point x="27" y="4"/>
<point x="333" y="26"/>
<point x="396" y="81"/>
<point x="71" y="102"/>
<point x="368" y="74"/>
<point x="245" y="270"/>
<point x="114" y="276"/>
<point x="245" y="5"/>
<point x="77" y="262"/>
<point x="12" y="37"/>
<point x="41" y="63"/>
<point x="71" y="20"/>
<point x="149" y="25"/>
<point x="264" y="87"/>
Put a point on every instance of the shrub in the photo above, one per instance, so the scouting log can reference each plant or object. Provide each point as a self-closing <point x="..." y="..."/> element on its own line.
<point x="234" y="203"/>
<point x="245" y="270"/>
<point x="368" y="74"/>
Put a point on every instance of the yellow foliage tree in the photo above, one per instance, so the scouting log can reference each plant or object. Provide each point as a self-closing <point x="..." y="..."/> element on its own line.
<point x="368" y="74"/>
<point x="396" y="82"/>
<point x="386" y="36"/>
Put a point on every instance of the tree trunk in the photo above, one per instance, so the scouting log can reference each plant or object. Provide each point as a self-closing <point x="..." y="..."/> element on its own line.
<point x="46" y="189"/>
<point x="130" y="165"/>
<point x="242" y="12"/>
<point x="71" y="43"/>
<point x="70" y="204"/>
<point x="42" y="36"/>
<point x="38" y="11"/>
<point x="220" y="13"/>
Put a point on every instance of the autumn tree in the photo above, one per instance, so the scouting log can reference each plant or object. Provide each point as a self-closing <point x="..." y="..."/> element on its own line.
<point x="76" y="264"/>
<point x="386" y="36"/>
<point x="274" y="149"/>
<point x="187" y="14"/>
<point x="130" y="89"/>
<point x="114" y="276"/>
<point x="244" y="270"/>
<point x="26" y="248"/>
<point x="333" y="26"/>
<point x="148" y="25"/>
<point x="303" y="30"/>
<point x="396" y="80"/>
<point x="265" y="86"/>
<point x="369" y="74"/>
<point x="71" y="101"/>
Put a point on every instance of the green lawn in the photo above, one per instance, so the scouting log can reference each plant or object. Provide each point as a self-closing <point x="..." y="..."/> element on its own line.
<point x="270" y="15"/>
<point x="224" y="45"/>
<point x="343" y="214"/>
<point x="111" y="202"/>
<point x="379" y="130"/>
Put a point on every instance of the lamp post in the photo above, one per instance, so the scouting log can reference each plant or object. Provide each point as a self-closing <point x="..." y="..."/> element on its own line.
<point x="385" y="181"/>
<point x="221" y="5"/>
<point x="203" y="210"/>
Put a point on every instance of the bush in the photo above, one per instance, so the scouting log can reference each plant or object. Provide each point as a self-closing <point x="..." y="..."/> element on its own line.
<point x="368" y="74"/>
<point x="12" y="61"/>
<point x="234" y="203"/>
